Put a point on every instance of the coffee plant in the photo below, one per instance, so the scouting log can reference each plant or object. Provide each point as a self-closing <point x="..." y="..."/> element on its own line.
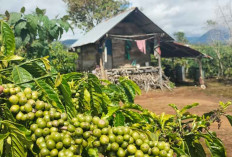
<point x="44" y="113"/>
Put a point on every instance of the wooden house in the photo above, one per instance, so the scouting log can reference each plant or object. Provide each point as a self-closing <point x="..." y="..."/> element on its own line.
<point x="115" y="43"/>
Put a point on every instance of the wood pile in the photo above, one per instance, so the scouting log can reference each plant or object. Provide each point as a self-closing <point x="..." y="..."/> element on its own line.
<point x="146" y="77"/>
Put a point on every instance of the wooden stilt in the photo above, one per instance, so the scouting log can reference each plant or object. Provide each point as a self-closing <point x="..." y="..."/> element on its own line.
<point x="102" y="69"/>
<point x="160" y="72"/>
<point x="201" y="77"/>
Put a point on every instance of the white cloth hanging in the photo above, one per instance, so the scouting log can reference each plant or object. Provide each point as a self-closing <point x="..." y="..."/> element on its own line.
<point x="105" y="54"/>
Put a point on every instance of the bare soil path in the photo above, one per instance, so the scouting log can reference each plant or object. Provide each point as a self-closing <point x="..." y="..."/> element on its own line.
<point x="157" y="101"/>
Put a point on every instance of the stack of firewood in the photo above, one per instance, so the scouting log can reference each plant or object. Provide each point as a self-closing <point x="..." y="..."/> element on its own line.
<point x="146" y="77"/>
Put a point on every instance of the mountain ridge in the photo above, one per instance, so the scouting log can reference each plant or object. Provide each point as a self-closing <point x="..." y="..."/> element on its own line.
<point x="217" y="34"/>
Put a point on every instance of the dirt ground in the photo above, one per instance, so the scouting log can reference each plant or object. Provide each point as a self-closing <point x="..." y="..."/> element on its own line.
<point x="208" y="99"/>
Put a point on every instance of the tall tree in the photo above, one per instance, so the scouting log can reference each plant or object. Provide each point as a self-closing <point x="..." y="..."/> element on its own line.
<point x="180" y="37"/>
<point x="216" y="44"/>
<point x="88" y="13"/>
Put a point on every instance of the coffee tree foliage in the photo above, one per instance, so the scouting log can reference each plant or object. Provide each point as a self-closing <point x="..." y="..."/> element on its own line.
<point x="63" y="103"/>
<point x="35" y="34"/>
<point x="62" y="60"/>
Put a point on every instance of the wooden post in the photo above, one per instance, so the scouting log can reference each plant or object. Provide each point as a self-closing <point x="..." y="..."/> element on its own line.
<point x="158" y="54"/>
<point x="81" y="59"/>
<point x="102" y="69"/>
<point x="160" y="72"/>
<point x="201" y="77"/>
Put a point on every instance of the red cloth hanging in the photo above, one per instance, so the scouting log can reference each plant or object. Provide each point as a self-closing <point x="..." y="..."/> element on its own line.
<point x="141" y="44"/>
<point x="158" y="50"/>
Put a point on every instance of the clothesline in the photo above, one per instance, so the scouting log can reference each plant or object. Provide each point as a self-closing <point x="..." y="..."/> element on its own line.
<point x="132" y="39"/>
<point x="134" y="36"/>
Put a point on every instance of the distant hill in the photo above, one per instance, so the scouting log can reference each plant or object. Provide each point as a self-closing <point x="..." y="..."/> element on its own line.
<point x="68" y="42"/>
<point x="220" y="34"/>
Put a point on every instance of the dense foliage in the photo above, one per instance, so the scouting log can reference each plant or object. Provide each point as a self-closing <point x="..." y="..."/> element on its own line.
<point x="55" y="135"/>
<point x="87" y="14"/>
<point x="62" y="60"/>
<point x="218" y="66"/>
<point x="76" y="114"/>
<point x="35" y="34"/>
<point x="35" y="31"/>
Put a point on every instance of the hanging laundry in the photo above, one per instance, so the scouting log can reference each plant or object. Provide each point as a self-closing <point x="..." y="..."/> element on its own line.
<point x="128" y="46"/>
<point x="141" y="44"/>
<point x="108" y="45"/>
<point x="105" y="54"/>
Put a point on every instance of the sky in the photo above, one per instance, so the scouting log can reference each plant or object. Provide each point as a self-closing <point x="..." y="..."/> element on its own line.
<point x="188" y="16"/>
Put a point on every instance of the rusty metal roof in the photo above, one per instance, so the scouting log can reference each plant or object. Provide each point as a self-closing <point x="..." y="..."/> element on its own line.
<point x="131" y="15"/>
<point x="179" y="50"/>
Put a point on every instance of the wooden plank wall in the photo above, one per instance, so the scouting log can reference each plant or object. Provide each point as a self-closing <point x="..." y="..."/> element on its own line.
<point x="118" y="46"/>
<point x="87" y="58"/>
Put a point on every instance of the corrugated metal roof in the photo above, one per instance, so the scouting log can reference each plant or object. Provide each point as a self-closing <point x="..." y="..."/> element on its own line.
<point x="174" y="49"/>
<point x="132" y="15"/>
<point x="101" y="29"/>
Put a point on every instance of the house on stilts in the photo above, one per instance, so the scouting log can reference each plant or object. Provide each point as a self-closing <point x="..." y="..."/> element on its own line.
<point x="122" y="46"/>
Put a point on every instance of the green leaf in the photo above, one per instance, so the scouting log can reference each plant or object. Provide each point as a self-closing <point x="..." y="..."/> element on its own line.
<point x="54" y="34"/>
<point x="111" y="111"/>
<point x="22" y="10"/>
<point x="119" y="119"/>
<point x="6" y="112"/>
<point x="173" y="106"/>
<point x="20" y="75"/>
<point x="185" y="108"/>
<point x="8" y="39"/>
<point x="25" y="37"/>
<point x="179" y="151"/>
<point x="35" y="68"/>
<point x="19" y="27"/>
<point x="194" y="148"/>
<point x="65" y="25"/>
<point x="40" y="11"/>
<point x="73" y="76"/>
<point x="229" y="117"/>
<point x="19" y="143"/>
<point x="50" y="94"/>
<point x="87" y="96"/>
<point x="66" y="93"/>
<point x="13" y="58"/>
<point x="58" y="80"/>
<point x="134" y="86"/>
<point x="132" y="106"/>
<point x="2" y="138"/>
<point x="215" y="145"/>
<point x="14" y="17"/>
<point x="32" y="22"/>
<point x="46" y="63"/>
<point x="135" y="117"/>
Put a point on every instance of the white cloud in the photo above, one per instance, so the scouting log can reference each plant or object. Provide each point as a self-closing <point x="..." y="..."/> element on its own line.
<point x="188" y="16"/>
<point x="53" y="7"/>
